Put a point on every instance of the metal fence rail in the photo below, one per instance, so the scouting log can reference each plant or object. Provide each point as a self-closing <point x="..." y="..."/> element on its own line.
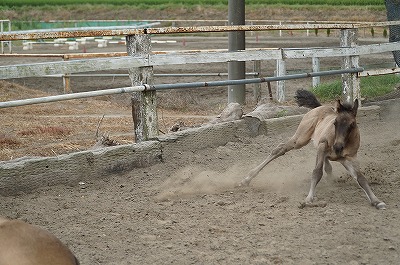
<point x="112" y="31"/>
<point x="145" y="87"/>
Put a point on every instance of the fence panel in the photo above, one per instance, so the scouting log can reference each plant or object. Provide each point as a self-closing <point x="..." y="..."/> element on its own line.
<point x="141" y="63"/>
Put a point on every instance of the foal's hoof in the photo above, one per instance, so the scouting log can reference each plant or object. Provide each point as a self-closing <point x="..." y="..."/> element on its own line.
<point x="243" y="183"/>
<point x="381" y="206"/>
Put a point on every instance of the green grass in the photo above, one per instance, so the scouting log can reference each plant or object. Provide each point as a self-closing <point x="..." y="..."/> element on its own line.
<point x="371" y="87"/>
<point x="19" y="3"/>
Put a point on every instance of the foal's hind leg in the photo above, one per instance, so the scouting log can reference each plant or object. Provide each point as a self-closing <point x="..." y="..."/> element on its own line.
<point x="354" y="169"/>
<point x="295" y="142"/>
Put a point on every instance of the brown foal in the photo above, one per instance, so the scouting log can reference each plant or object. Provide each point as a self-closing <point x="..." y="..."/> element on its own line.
<point x="336" y="136"/>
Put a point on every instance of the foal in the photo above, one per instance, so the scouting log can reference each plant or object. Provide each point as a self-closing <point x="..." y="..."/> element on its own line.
<point x="336" y="136"/>
<point x="25" y="244"/>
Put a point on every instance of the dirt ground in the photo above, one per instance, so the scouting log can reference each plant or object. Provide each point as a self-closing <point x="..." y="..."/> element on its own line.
<point x="187" y="210"/>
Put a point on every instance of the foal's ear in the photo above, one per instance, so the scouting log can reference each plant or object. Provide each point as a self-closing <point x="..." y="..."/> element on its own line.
<point x="355" y="107"/>
<point x="338" y="106"/>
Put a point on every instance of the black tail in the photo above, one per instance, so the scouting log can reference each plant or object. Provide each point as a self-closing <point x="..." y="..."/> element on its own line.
<point x="306" y="98"/>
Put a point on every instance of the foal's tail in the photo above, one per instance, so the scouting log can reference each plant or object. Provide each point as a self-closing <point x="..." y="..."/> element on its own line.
<point x="306" y="98"/>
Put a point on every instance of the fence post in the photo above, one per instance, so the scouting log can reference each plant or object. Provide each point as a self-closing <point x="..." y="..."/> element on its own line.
<point x="66" y="80"/>
<point x="257" y="86"/>
<point x="350" y="82"/>
<point x="316" y="80"/>
<point x="280" y="71"/>
<point x="1" y="31"/>
<point x="236" y="41"/>
<point x="144" y="107"/>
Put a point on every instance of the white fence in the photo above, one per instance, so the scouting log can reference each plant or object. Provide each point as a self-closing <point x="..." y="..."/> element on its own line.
<point x="140" y="61"/>
<point x="5" y="26"/>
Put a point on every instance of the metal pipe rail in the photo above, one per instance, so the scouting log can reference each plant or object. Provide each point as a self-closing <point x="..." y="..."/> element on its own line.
<point x="145" y="87"/>
<point x="156" y="75"/>
<point x="104" y="31"/>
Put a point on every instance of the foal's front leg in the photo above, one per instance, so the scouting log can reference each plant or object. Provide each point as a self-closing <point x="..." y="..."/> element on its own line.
<point x="352" y="166"/>
<point x="328" y="168"/>
<point x="317" y="172"/>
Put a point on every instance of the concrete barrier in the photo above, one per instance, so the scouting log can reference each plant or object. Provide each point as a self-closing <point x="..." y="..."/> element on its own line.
<point x="27" y="174"/>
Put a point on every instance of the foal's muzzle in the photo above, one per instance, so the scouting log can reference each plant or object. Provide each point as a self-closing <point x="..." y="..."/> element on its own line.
<point x="338" y="147"/>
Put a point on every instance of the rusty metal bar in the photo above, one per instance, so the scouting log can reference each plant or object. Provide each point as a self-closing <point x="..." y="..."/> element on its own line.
<point x="33" y="35"/>
<point x="78" y="32"/>
<point x="104" y="31"/>
<point x="199" y="29"/>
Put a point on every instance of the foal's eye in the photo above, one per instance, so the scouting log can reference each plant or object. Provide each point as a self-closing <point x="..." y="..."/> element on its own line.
<point x="335" y="123"/>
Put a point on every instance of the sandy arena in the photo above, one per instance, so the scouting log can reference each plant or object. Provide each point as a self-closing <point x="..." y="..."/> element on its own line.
<point x="187" y="210"/>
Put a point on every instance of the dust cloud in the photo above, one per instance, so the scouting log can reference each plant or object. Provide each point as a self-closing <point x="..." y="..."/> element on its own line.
<point x="285" y="175"/>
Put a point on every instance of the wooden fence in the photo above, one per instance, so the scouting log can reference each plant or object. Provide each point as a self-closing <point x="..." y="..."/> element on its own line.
<point x="140" y="60"/>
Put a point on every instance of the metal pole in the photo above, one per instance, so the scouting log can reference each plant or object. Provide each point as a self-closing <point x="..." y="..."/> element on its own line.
<point x="236" y="70"/>
<point x="146" y="87"/>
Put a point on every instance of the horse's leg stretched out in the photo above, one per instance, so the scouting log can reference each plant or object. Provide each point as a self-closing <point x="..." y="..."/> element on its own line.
<point x="297" y="141"/>
<point x="352" y="166"/>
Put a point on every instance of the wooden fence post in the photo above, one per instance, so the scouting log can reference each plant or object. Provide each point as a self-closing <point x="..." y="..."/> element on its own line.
<point x="350" y="82"/>
<point x="316" y="80"/>
<point x="257" y="86"/>
<point x="144" y="107"/>
<point x="280" y="71"/>
<point x="66" y="80"/>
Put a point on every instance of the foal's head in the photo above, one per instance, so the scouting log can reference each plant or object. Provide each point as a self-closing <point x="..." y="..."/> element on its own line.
<point x="345" y="123"/>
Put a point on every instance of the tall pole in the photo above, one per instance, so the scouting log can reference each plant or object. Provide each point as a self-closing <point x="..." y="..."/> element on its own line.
<point x="236" y="39"/>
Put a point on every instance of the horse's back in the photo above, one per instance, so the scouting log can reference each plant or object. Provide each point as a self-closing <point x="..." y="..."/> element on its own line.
<point x="25" y="244"/>
<point x="314" y="117"/>
<point x="316" y="124"/>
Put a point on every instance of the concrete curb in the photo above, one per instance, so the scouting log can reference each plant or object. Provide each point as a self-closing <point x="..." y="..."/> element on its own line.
<point x="28" y="174"/>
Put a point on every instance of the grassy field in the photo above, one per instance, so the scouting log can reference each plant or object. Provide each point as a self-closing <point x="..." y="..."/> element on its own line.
<point x="371" y="87"/>
<point x="146" y="3"/>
